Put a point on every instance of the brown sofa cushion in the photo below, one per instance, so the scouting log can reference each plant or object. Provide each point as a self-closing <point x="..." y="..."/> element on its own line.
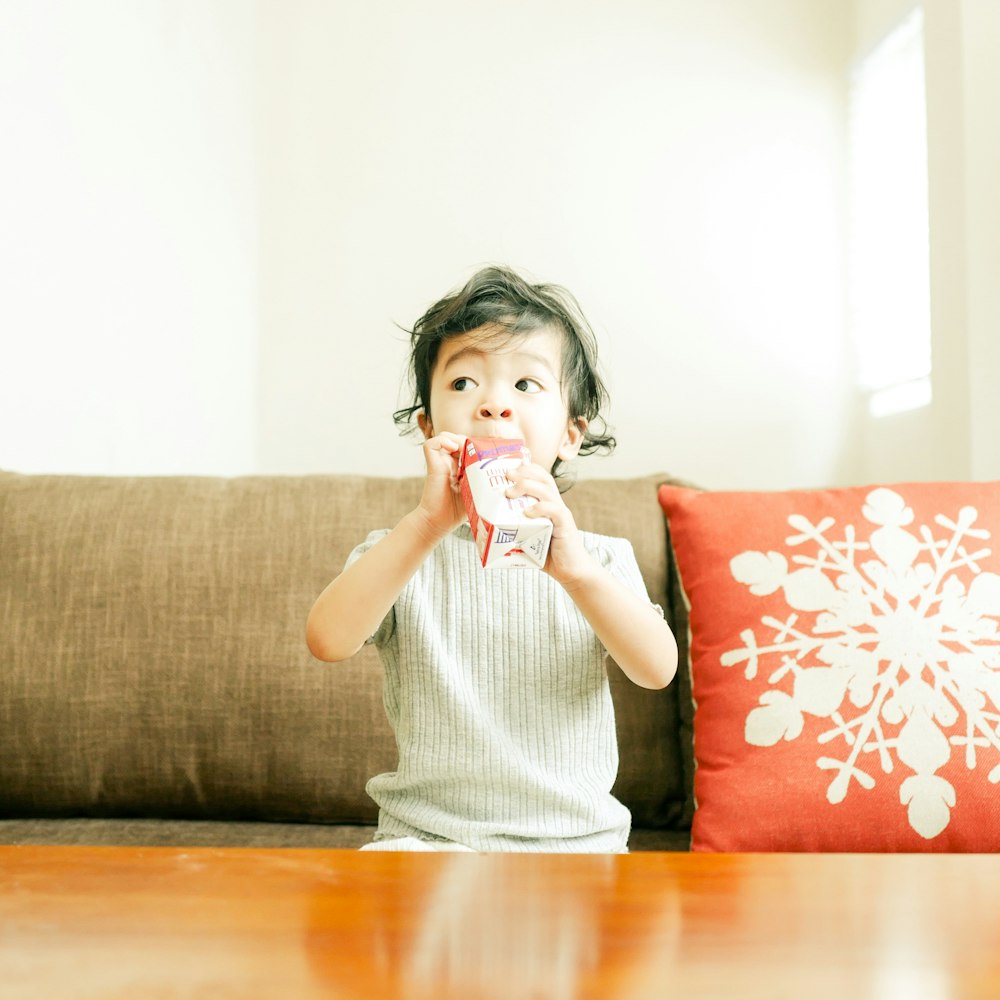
<point x="152" y="654"/>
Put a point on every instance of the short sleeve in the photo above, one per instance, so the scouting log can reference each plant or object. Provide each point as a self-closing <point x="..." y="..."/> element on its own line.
<point x="386" y="628"/>
<point x="617" y="556"/>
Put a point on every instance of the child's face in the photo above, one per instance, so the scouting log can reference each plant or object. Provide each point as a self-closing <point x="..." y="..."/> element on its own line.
<point x="484" y="387"/>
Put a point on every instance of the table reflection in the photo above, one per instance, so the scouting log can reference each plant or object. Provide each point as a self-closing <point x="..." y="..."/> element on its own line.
<point x="500" y="926"/>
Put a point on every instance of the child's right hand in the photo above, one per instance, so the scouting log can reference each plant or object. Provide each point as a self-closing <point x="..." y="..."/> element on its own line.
<point x="353" y="605"/>
<point x="441" y="503"/>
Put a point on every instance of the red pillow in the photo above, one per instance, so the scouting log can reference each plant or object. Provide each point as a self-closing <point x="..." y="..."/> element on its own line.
<point x="845" y="666"/>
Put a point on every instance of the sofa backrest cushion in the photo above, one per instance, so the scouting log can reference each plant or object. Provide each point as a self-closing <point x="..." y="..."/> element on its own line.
<point x="152" y="653"/>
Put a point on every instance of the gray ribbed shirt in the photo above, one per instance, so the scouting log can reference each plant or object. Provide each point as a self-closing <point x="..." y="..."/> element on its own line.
<point x="496" y="690"/>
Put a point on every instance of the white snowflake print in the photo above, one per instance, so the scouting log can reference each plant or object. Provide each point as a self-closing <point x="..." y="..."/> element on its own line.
<point x="902" y="656"/>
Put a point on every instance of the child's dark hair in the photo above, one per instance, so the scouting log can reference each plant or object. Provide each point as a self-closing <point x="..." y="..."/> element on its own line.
<point x="497" y="297"/>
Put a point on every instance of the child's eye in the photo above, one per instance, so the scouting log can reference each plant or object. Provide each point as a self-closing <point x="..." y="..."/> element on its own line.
<point x="463" y="384"/>
<point x="527" y="385"/>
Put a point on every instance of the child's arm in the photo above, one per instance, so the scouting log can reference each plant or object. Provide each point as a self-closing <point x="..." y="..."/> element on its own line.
<point x="352" y="607"/>
<point x="636" y="637"/>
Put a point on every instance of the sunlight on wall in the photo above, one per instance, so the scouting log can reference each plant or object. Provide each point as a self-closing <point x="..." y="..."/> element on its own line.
<point x="781" y="194"/>
<point x="889" y="251"/>
<point x="128" y="258"/>
<point x="220" y="210"/>
<point x="678" y="166"/>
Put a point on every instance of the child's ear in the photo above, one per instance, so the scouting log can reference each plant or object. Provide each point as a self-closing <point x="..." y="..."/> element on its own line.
<point x="426" y="427"/>
<point x="572" y="440"/>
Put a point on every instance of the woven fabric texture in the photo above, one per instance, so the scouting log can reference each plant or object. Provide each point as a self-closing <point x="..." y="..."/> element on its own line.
<point x="153" y="661"/>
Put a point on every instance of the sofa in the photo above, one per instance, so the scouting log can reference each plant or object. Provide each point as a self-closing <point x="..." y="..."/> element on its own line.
<point x="156" y="689"/>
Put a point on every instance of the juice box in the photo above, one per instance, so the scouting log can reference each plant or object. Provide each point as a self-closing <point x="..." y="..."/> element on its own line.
<point x="504" y="535"/>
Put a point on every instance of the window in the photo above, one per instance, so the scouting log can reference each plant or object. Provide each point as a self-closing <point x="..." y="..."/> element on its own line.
<point x="888" y="265"/>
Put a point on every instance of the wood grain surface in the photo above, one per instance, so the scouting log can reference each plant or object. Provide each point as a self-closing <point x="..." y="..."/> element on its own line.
<point x="104" y="922"/>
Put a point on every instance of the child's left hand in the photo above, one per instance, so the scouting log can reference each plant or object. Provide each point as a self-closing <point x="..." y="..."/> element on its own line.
<point x="635" y="635"/>
<point x="568" y="559"/>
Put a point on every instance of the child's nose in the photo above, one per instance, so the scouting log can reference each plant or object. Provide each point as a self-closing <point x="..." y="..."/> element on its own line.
<point x="495" y="411"/>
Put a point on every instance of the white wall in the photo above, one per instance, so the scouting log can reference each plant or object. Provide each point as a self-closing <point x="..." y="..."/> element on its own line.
<point x="212" y="214"/>
<point x="956" y="436"/>
<point x="980" y="31"/>
<point x="128" y="231"/>
<point x="678" y="165"/>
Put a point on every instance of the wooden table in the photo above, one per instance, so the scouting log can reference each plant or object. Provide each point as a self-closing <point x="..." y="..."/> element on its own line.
<point x="155" y="923"/>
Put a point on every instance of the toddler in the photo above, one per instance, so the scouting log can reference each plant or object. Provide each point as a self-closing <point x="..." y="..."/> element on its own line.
<point x="495" y="681"/>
